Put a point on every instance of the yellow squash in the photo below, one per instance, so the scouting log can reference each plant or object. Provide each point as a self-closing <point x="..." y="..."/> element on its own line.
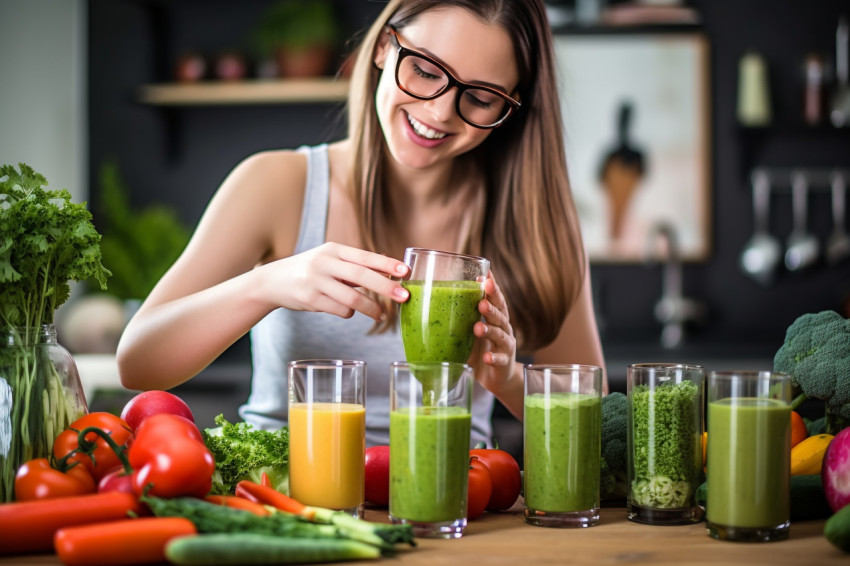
<point x="807" y="456"/>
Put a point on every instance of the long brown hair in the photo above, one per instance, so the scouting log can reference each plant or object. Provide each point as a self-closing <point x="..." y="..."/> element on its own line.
<point x="527" y="225"/>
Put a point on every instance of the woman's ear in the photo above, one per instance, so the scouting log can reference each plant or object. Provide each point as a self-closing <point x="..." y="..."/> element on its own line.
<point x="382" y="49"/>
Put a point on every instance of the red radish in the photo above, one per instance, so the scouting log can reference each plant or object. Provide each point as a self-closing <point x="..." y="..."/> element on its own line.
<point x="150" y="403"/>
<point x="378" y="475"/>
<point x="836" y="471"/>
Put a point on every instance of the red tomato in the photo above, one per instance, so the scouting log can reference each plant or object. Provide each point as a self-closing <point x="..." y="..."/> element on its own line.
<point x="35" y="479"/>
<point x="116" y="480"/>
<point x="507" y="480"/>
<point x="168" y="453"/>
<point x="104" y="458"/>
<point x="480" y="488"/>
<point x="378" y="475"/>
<point x="150" y="403"/>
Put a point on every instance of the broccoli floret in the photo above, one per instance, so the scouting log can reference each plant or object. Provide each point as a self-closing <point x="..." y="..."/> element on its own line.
<point x="615" y="407"/>
<point x="816" y="353"/>
<point x="243" y="452"/>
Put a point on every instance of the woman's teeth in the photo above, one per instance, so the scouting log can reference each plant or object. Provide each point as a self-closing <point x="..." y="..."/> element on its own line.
<point x="423" y="130"/>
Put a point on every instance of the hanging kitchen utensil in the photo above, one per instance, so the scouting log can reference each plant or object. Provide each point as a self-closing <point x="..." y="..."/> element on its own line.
<point x="840" y="108"/>
<point x="621" y="172"/>
<point x="838" y="244"/>
<point x="761" y="253"/>
<point x="803" y="247"/>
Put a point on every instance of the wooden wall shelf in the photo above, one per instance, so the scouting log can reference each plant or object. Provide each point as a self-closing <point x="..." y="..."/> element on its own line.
<point x="216" y="93"/>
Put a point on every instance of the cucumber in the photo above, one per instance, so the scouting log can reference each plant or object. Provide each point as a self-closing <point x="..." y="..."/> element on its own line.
<point x="245" y="549"/>
<point x="807" y="499"/>
<point x="837" y="529"/>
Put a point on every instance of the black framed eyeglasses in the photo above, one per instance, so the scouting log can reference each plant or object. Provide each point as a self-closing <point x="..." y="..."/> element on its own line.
<point x="424" y="78"/>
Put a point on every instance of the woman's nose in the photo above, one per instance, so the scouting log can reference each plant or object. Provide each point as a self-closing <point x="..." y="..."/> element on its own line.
<point x="442" y="108"/>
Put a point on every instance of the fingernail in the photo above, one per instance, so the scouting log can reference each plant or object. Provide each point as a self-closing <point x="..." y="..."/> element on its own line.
<point x="486" y="328"/>
<point x="401" y="293"/>
<point x="401" y="269"/>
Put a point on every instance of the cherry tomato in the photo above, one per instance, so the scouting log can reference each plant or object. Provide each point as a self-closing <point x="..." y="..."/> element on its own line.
<point x="378" y="475"/>
<point x="480" y="488"/>
<point x="507" y="480"/>
<point x="150" y="403"/>
<point x="36" y="479"/>
<point x="104" y="458"/>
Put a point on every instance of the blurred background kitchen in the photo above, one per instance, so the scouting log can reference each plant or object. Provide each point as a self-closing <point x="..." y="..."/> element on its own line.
<point x="708" y="142"/>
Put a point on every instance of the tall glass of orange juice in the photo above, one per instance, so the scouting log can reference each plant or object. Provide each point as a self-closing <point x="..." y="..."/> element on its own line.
<point x="327" y="433"/>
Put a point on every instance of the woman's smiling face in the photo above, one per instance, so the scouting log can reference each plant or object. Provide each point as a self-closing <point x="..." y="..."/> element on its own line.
<point x="421" y="133"/>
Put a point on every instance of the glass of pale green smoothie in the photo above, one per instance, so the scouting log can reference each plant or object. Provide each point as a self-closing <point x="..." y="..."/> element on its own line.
<point x="437" y="320"/>
<point x="562" y="436"/>
<point x="749" y="456"/>
<point x="429" y="446"/>
<point x="664" y="444"/>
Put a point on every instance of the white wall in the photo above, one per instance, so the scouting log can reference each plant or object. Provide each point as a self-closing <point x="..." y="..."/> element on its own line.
<point x="43" y="120"/>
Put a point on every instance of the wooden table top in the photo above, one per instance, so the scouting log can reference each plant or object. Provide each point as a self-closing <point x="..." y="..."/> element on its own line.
<point x="505" y="538"/>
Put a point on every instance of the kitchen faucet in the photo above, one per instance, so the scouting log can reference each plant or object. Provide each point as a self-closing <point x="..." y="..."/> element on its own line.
<point x="672" y="310"/>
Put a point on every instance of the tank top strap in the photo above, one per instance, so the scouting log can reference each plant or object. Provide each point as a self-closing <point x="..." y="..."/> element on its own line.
<point x="314" y="214"/>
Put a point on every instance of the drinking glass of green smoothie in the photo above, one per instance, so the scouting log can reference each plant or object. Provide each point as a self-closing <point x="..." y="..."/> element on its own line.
<point x="749" y="456"/>
<point x="429" y="446"/>
<point x="437" y="320"/>
<point x="664" y="442"/>
<point x="562" y="430"/>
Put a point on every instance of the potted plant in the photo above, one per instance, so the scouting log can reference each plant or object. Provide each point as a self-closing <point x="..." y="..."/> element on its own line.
<point x="300" y="35"/>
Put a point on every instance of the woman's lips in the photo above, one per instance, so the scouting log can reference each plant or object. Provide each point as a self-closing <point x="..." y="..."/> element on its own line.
<point x="422" y="140"/>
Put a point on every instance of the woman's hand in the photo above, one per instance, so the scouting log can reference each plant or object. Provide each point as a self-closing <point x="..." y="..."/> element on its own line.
<point x="494" y="354"/>
<point x="334" y="278"/>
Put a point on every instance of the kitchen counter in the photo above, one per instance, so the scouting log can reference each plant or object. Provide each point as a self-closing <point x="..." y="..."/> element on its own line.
<point x="504" y="538"/>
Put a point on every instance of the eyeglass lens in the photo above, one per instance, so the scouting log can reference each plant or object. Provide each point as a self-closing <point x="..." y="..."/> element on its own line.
<point x="422" y="78"/>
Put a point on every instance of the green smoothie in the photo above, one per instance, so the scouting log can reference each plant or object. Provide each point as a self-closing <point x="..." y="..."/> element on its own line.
<point x="429" y="463"/>
<point x="437" y="320"/>
<point x="749" y="464"/>
<point x="562" y="451"/>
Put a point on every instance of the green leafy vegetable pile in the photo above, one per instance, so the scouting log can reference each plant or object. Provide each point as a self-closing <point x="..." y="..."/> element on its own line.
<point x="666" y="445"/>
<point x="45" y="242"/>
<point x="243" y="452"/>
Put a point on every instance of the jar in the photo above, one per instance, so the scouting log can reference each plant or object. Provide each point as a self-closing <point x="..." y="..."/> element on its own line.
<point x="40" y="396"/>
<point x="664" y="443"/>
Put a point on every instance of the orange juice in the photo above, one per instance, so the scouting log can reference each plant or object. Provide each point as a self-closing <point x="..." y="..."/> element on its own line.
<point x="326" y="454"/>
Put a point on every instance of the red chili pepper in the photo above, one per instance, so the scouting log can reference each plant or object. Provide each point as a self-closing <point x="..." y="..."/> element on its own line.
<point x="169" y="459"/>
<point x="264" y="480"/>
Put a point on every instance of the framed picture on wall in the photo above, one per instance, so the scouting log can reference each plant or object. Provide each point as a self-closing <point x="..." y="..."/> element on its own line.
<point x="637" y="138"/>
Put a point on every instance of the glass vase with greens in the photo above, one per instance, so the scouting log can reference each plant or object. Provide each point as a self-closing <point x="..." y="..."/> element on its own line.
<point x="46" y="241"/>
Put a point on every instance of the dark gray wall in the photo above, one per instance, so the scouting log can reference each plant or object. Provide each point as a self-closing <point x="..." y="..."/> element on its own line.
<point x="180" y="156"/>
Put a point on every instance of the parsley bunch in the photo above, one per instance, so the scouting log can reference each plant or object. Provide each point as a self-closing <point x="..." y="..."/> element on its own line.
<point x="45" y="242"/>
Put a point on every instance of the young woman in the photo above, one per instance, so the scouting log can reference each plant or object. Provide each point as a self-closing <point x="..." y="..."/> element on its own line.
<point x="455" y="144"/>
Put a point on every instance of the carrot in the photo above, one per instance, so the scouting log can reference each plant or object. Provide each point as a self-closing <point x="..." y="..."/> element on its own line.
<point x="238" y="503"/>
<point x="265" y="495"/>
<point x="136" y="541"/>
<point x="29" y="526"/>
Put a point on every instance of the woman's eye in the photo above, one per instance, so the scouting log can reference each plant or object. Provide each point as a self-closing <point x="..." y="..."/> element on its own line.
<point x="482" y="99"/>
<point x="426" y="72"/>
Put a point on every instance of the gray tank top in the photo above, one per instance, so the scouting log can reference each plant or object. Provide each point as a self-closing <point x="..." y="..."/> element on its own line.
<point x="285" y="335"/>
